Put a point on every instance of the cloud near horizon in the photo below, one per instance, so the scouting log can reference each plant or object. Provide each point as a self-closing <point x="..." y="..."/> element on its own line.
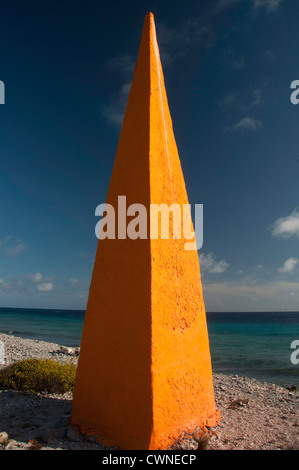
<point x="288" y="266"/>
<point x="28" y="284"/>
<point x="209" y="264"/>
<point x="45" y="287"/>
<point x="12" y="247"/>
<point x="286" y="227"/>
<point x="262" y="296"/>
<point x="37" y="277"/>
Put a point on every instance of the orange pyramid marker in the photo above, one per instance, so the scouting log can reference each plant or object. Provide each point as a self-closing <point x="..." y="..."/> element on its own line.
<point x="144" y="375"/>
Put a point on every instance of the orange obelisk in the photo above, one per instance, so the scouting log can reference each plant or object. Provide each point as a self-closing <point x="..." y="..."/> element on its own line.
<point x="144" y="374"/>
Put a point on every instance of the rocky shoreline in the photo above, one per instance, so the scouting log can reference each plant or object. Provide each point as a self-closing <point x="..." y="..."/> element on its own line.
<point x="255" y="415"/>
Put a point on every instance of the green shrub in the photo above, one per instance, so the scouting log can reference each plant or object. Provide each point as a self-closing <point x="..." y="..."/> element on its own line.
<point x="39" y="375"/>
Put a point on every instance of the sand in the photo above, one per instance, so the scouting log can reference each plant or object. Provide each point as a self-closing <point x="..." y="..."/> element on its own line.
<point x="255" y="415"/>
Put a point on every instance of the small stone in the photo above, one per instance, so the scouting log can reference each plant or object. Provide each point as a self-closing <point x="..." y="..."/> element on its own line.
<point x="62" y="422"/>
<point x="74" y="435"/>
<point x="3" y="438"/>
<point x="93" y="439"/>
<point x="189" y="444"/>
<point x="66" y="350"/>
<point x="52" y="434"/>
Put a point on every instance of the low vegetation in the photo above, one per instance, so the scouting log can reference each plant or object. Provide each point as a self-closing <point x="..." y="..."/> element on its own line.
<point x="39" y="375"/>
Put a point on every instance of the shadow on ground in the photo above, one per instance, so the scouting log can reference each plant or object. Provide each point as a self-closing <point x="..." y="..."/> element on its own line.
<point x="26" y="417"/>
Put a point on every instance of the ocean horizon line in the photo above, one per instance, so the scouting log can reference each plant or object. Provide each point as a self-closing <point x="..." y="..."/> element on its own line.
<point x="84" y="310"/>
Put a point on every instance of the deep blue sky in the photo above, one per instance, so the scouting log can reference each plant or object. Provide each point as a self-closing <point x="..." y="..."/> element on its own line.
<point x="228" y="66"/>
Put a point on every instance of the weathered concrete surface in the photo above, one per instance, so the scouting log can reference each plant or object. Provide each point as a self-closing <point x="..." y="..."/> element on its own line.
<point x="144" y="374"/>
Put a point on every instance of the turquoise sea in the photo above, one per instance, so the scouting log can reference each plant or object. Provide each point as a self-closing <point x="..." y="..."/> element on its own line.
<point x="251" y="344"/>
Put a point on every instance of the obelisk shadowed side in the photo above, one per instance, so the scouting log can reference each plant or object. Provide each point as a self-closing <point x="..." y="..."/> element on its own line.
<point x="113" y="394"/>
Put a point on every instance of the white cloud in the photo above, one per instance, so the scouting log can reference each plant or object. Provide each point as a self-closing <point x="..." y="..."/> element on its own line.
<point x="286" y="227"/>
<point x="37" y="277"/>
<point x="221" y="5"/>
<point x="27" y="284"/>
<point x="16" y="250"/>
<point x="247" y="123"/>
<point x="114" y="112"/>
<point x="13" y="246"/>
<point x="210" y="265"/>
<point x="73" y="281"/>
<point x="122" y="64"/>
<point x="229" y="101"/>
<point x="268" y="54"/>
<point x="4" y="285"/>
<point x="289" y="265"/>
<point x="4" y="240"/>
<point x="174" y="43"/>
<point x="45" y="287"/>
<point x="246" y="101"/>
<point x="270" y="5"/>
<point x="237" y="296"/>
<point x="199" y="30"/>
<point x="256" y="96"/>
<point x="232" y="59"/>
